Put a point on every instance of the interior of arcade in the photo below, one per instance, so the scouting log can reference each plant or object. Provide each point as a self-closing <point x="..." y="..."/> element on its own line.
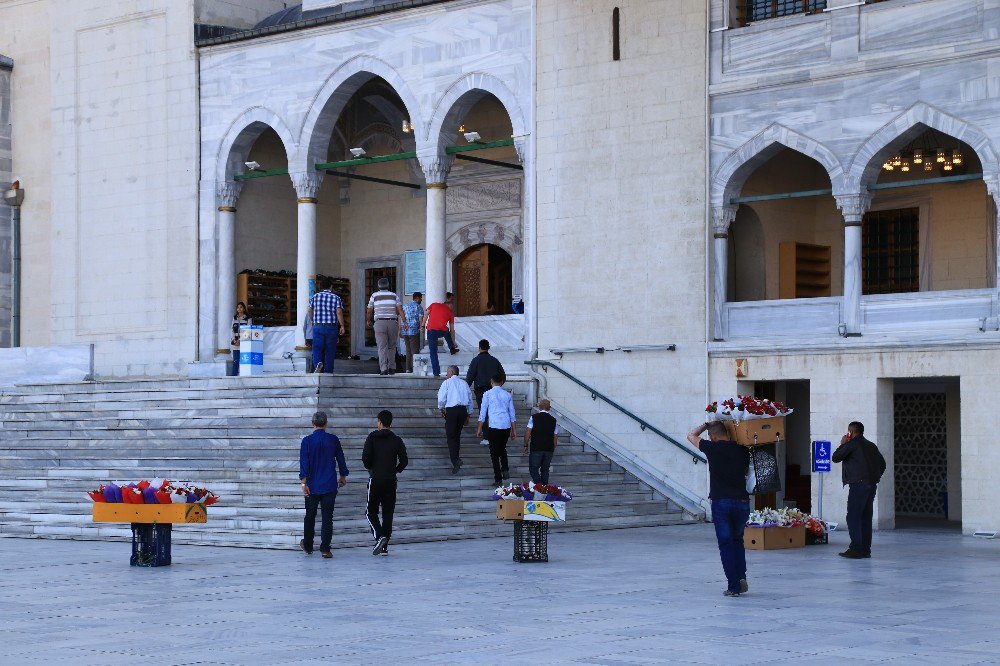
<point x="916" y="236"/>
<point x="370" y="215"/>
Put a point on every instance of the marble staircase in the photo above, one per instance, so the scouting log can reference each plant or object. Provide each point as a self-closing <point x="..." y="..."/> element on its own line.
<point x="240" y="437"/>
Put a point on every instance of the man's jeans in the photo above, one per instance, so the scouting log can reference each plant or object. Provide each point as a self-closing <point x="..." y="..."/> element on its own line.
<point x="538" y="466"/>
<point x="432" y="343"/>
<point x="325" y="338"/>
<point x="324" y="502"/>
<point x="860" y="507"/>
<point x="730" y="518"/>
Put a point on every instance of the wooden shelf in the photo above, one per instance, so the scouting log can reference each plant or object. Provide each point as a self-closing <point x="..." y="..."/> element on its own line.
<point x="803" y="270"/>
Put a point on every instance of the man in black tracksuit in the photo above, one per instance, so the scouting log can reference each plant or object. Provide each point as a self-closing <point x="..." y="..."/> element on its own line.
<point x="862" y="469"/>
<point x="384" y="457"/>
<point x="482" y="369"/>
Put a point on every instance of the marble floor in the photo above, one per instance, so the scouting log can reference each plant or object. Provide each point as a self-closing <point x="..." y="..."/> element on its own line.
<point x="639" y="596"/>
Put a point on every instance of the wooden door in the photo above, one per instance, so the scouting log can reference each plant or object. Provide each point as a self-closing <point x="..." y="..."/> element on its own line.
<point x="471" y="280"/>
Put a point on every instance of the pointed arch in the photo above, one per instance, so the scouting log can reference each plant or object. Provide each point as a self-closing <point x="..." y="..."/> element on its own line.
<point x="731" y="175"/>
<point x="461" y="97"/>
<point x="902" y="129"/>
<point x="243" y="133"/>
<point x="333" y="96"/>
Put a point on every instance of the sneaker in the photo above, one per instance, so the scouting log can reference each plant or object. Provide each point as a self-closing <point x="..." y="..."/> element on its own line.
<point x="380" y="545"/>
<point x="744" y="588"/>
<point x="326" y="554"/>
<point x="318" y="368"/>
<point x="385" y="547"/>
<point x="302" y="545"/>
<point x="730" y="593"/>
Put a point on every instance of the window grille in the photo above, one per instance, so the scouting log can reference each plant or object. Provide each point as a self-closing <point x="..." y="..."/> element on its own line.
<point x="750" y="11"/>
<point x="890" y="262"/>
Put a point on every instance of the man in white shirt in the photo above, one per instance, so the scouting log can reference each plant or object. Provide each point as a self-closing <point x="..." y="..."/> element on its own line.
<point x="498" y="407"/>
<point x="455" y="403"/>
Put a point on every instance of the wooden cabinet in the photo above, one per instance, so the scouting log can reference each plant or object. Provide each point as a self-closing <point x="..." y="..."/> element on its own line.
<point x="803" y="270"/>
<point x="270" y="299"/>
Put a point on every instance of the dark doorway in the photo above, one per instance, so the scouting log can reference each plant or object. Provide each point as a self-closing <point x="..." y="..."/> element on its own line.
<point x="484" y="281"/>
<point x="795" y="451"/>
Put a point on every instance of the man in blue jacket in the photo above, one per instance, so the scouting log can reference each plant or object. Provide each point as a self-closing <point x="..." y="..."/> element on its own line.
<point x="320" y="455"/>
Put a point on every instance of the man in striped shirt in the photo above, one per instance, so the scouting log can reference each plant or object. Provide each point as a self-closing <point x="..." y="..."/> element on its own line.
<point x="327" y="312"/>
<point x="386" y="311"/>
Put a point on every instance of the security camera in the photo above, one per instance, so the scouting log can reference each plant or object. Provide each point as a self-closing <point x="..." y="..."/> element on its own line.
<point x="472" y="137"/>
<point x="358" y="152"/>
<point x="252" y="166"/>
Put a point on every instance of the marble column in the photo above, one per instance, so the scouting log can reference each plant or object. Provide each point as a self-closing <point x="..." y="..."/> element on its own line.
<point x="227" y="194"/>
<point x="525" y="153"/>
<point x="436" y="270"/>
<point x="722" y="219"/>
<point x="853" y="207"/>
<point x="306" y="187"/>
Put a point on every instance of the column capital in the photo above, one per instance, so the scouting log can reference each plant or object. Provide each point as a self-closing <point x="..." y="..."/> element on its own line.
<point x="853" y="206"/>
<point x="306" y="184"/>
<point x="722" y="218"/>
<point x="521" y="146"/>
<point x="436" y="168"/>
<point x="227" y="193"/>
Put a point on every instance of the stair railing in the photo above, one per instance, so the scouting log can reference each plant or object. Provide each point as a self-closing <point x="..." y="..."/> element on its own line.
<point x="595" y="395"/>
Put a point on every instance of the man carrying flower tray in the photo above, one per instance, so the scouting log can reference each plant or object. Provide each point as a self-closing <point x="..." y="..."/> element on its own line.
<point x="728" y="463"/>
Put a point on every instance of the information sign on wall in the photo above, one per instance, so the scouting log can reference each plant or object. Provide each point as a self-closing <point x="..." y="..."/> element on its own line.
<point x="414" y="271"/>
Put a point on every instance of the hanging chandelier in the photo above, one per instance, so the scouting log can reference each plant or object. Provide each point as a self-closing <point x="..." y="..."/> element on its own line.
<point x="928" y="152"/>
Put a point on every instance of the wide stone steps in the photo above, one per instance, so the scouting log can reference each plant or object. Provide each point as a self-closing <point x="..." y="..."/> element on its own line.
<point x="240" y="437"/>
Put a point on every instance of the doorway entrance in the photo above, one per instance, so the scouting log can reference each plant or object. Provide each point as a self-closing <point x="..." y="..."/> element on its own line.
<point x="927" y="453"/>
<point x="484" y="281"/>
<point x="795" y="451"/>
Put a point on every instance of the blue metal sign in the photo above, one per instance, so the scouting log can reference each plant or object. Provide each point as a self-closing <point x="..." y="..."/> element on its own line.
<point x="821" y="456"/>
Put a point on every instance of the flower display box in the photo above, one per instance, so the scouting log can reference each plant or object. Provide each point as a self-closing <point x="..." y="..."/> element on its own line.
<point x="194" y="512"/>
<point x="756" y="432"/>
<point x="774" y="538"/>
<point x="531" y="510"/>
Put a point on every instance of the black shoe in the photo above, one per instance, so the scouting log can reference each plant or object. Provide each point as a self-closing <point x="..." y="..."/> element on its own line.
<point x="457" y="465"/>
<point x="730" y="593"/>
<point x="326" y="554"/>
<point x="318" y="368"/>
<point x="455" y="351"/>
<point x="866" y="556"/>
<point x="744" y="588"/>
<point x="392" y="372"/>
<point x="385" y="548"/>
<point x="851" y="555"/>
<point x="380" y="545"/>
<point x="302" y="545"/>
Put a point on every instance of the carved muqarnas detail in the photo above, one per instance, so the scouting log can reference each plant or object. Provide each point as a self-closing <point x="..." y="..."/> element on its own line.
<point x="477" y="197"/>
<point x="483" y="232"/>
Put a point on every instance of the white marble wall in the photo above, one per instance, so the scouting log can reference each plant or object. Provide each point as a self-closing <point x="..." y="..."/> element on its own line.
<point x="46" y="365"/>
<point x="296" y="82"/>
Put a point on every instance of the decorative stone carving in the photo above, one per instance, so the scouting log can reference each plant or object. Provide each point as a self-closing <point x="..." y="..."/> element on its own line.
<point x="436" y="169"/>
<point x="307" y="184"/>
<point x="484" y="232"/>
<point x="722" y="219"/>
<point x="228" y="193"/>
<point x="853" y="206"/>
<point x="492" y="195"/>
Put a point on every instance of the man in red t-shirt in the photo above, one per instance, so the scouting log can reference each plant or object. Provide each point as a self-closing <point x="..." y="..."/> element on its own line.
<point x="440" y="324"/>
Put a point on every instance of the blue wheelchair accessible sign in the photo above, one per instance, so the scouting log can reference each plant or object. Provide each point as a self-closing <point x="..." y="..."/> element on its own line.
<point x="821" y="456"/>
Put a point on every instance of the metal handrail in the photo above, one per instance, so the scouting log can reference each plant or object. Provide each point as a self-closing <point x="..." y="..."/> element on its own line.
<point x="595" y="394"/>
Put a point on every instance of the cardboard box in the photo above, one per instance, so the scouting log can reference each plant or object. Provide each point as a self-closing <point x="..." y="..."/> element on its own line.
<point x="105" y="512"/>
<point x="774" y="538"/>
<point x="754" y="432"/>
<point x="538" y="510"/>
<point x="510" y="509"/>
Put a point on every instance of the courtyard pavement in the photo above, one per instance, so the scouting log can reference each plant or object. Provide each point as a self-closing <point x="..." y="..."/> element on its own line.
<point x="632" y="596"/>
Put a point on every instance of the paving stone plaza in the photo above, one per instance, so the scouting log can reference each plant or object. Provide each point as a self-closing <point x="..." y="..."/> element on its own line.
<point x="633" y="596"/>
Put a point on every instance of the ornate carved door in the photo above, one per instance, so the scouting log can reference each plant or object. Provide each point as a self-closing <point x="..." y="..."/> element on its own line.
<point x="471" y="281"/>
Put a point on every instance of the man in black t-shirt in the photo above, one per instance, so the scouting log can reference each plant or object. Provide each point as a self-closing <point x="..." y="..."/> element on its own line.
<point x="728" y="463"/>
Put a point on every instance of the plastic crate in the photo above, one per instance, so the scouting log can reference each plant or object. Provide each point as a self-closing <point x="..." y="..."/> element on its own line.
<point x="814" y="540"/>
<point x="150" y="545"/>
<point x="531" y="541"/>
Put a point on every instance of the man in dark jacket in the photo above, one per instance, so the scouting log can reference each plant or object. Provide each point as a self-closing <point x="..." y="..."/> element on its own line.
<point x="384" y="457"/>
<point x="318" y="455"/>
<point x="861" y="470"/>
<point x="482" y="370"/>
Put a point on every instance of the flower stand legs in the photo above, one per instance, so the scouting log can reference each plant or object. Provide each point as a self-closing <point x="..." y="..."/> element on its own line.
<point x="150" y="545"/>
